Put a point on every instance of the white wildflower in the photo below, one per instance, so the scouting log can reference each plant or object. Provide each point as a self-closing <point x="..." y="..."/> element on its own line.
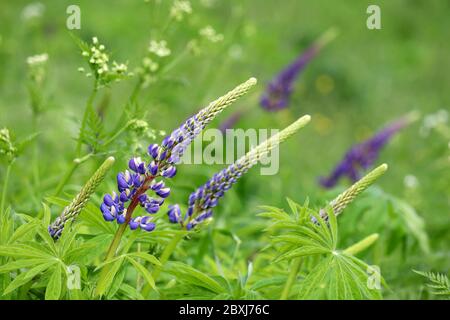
<point x="433" y="120"/>
<point x="159" y="48"/>
<point x="410" y="181"/>
<point x="210" y="34"/>
<point x="99" y="62"/>
<point x="149" y="64"/>
<point x="119" y="68"/>
<point x="33" y="10"/>
<point x="179" y="9"/>
<point x="37" y="59"/>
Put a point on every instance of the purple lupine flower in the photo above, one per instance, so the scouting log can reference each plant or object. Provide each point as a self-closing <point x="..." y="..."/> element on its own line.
<point x="279" y="90"/>
<point x="362" y="156"/>
<point x="205" y="198"/>
<point x="134" y="184"/>
<point x="230" y="121"/>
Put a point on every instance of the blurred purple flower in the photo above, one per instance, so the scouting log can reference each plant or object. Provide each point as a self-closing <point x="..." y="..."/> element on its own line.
<point x="279" y="90"/>
<point x="230" y="121"/>
<point x="362" y="156"/>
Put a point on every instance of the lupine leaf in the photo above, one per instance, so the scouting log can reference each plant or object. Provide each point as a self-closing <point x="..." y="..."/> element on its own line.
<point x="53" y="290"/>
<point x="20" y="280"/>
<point x="40" y="268"/>
<point x="22" y="231"/>
<point x="145" y="273"/>
<point x="19" y="264"/>
<point x="103" y="286"/>
<point x="23" y="251"/>
<point x="145" y="256"/>
<point x="193" y="276"/>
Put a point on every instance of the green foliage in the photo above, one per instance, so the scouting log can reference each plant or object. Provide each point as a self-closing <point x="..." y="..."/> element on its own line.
<point x="438" y="282"/>
<point x="336" y="274"/>
<point x="399" y="226"/>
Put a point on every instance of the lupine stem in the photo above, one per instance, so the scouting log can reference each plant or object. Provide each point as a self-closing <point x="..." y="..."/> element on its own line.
<point x="295" y="267"/>
<point x="85" y="116"/>
<point x="168" y="250"/>
<point x="5" y="186"/>
<point x="119" y="233"/>
<point x="362" y="245"/>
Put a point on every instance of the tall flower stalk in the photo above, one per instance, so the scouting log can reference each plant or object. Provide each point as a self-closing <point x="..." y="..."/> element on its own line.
<point x="344" y="199"/>
<point x="202" y="201"/>
<point x="337" y="207"/>
<point x="279" y="90"/>
<point x="363" y="155"/>
<point x="133" y="186"/>
<point x="205" y="198"/>
<point x="78" y="203"/>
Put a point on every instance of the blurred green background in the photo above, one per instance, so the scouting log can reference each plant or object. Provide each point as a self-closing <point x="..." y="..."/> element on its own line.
<point x="357" y="83"/>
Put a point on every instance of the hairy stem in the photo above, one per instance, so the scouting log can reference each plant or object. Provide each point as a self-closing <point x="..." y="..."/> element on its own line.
<point x="168" y="250"/>
<point x="295" y="267"/>
<point x="110" y="254"/>
<point x="89" y="103"/>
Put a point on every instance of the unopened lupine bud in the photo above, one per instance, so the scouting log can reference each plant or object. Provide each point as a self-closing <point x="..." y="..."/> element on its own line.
<point x="71" y="211"/>
<point x="345" y="198"/>
<point x="207" y="196"/>
<point x="142" y="178"/>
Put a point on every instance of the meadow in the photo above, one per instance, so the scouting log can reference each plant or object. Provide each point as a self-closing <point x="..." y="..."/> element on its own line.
<point x="359" y="205"/>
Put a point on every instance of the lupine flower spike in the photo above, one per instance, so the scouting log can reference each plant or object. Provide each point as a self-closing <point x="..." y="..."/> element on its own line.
<point x="72" y="210"/>
<point x="362" y="156"/>
<point x="204" y="199"/>
<point x="279" y="90"/>
<point x="134" y="183"/>
<point x="344" y="199"/>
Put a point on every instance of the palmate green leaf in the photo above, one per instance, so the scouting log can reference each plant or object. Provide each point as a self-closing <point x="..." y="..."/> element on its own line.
<point x="117" y="282"/>
<point x="53" y="290"/>
<point x="91" y="217"/>
<point x="45" y="236"/>
<point x="130" y="292"/>
<point x="67" y="239"/>
<point x="19" y="281"/>
<point x="6" y="225"/>
<point x="194" y="277"/>
<point x="108" y="280"/>
<point x="25" y="251"/>
<point x="19" y="264"/>
<point x="25" y="277"/>
<point x="143" y="270"/>
<point x="337" y="277"/>
<point x="303" y="251"/>
<point x="40" y="268"/>
<point x="89" y="249"/>
<point x="46" y="214"/>
<point x="22" y="231"/>
<point x="274" y="213"/>
<point x="145" y="256"/>
<point x="269" y="282"/>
